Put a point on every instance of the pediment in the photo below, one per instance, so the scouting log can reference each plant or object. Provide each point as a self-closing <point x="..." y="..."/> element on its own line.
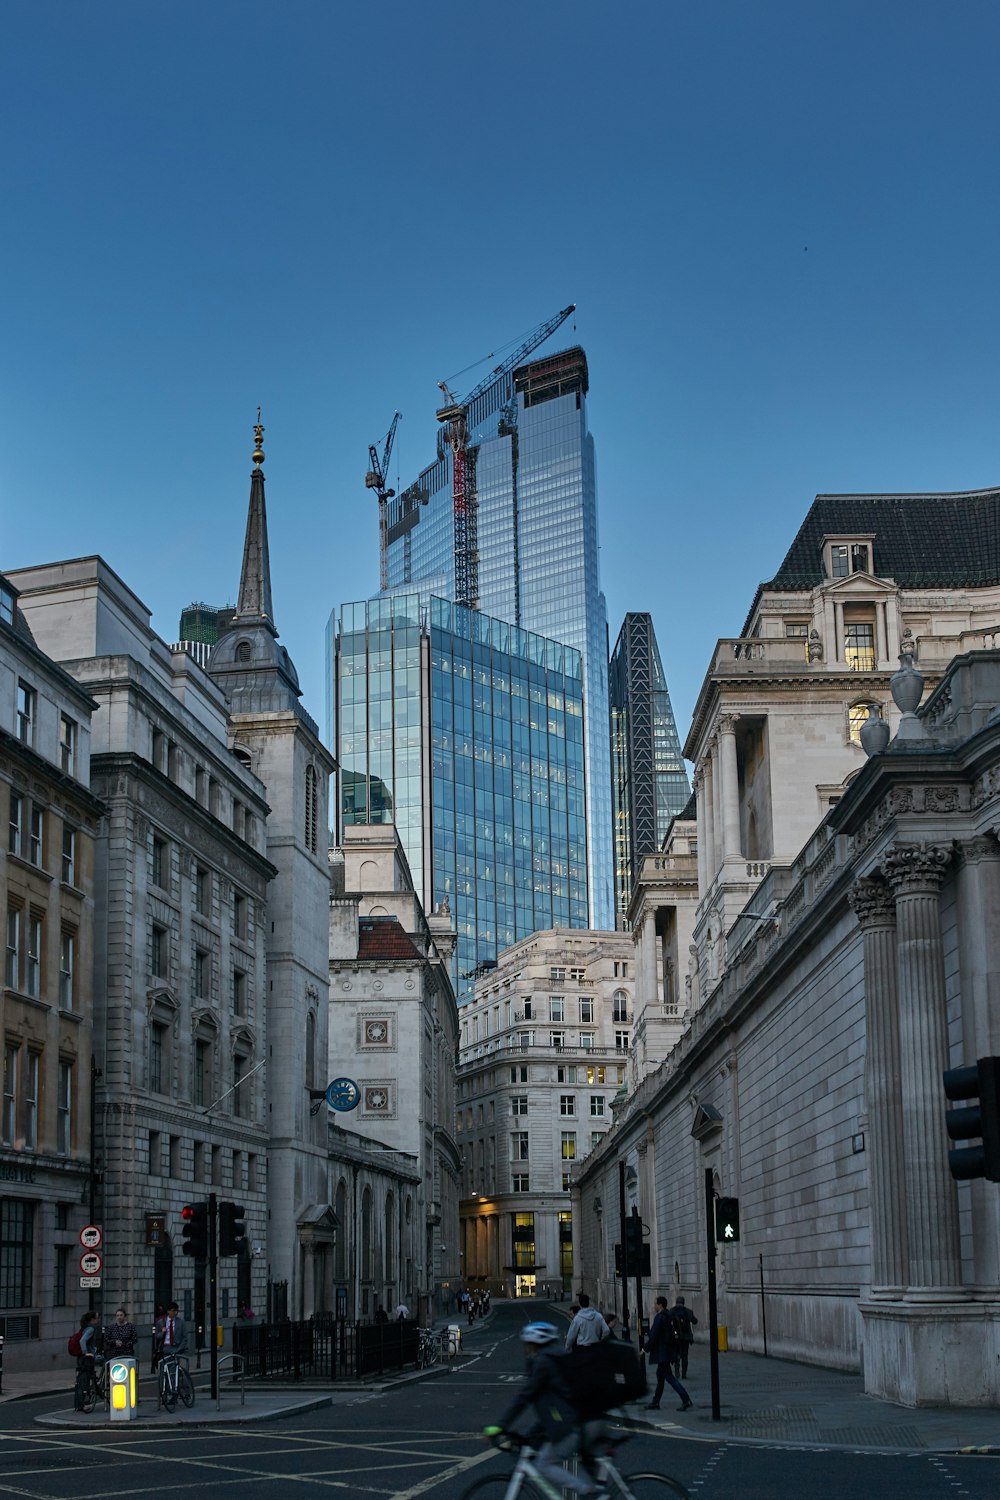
<point x="707" y="1121"/>
<point x="860" y="585"/>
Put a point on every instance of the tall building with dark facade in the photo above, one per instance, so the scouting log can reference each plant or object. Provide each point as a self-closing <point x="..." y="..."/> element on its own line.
<point x="535" y="545"/>
<point x="650" y="784"/>
<point x="467" y="733"/>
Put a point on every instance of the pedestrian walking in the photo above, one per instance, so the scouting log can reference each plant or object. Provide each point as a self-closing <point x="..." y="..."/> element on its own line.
<point x="588" y="1327"/>
<point x="663" y="1350"/>
<point x="687" y="1320"/>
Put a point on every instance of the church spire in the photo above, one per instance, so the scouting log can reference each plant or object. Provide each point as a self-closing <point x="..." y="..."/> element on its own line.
<point x="255" y="579"/>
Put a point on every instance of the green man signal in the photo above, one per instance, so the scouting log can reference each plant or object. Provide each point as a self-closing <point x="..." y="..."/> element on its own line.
<point x="727" y="1221"/>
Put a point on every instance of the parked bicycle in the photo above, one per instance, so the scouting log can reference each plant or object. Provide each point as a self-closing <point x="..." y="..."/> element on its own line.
<point x="173" y="1381"/>
<point x="88" y="1383"/>
<point x="429" y="1348"/>
<point x="526" y="1483"/>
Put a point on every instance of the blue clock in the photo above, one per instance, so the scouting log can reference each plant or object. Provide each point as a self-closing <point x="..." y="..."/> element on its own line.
<point x="343" y="1094"/>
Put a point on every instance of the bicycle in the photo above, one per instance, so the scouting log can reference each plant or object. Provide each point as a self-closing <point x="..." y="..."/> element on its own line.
<point x="526" y="1483"/>
<point x="173" y="1381"/>
<point x="86" y="1390"/>
<point x="429" y="1349"/>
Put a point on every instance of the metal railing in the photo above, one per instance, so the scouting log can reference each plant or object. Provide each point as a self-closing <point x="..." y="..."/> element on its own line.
<point x="238" y="1374"/>
<point x="324" y="1348"/>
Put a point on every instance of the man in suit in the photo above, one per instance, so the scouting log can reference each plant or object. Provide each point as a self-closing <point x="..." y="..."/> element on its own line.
<point x="174" y="1332"/>
<point x="687" y="1320"/>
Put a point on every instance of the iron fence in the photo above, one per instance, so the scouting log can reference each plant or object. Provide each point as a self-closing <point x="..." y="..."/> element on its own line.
<point x="325" y="1348"/>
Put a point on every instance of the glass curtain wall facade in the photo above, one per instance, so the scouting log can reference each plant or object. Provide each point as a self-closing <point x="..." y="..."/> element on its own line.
<point x="467" y="732"/>
<point x="650" y="779"/>
<point x="537" y="543"/>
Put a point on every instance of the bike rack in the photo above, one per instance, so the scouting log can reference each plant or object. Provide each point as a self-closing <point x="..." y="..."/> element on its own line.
<point x="231" y="1359"/>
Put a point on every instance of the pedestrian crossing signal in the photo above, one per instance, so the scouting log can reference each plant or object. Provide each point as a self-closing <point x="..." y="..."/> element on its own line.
<point x="727" y="1221"/>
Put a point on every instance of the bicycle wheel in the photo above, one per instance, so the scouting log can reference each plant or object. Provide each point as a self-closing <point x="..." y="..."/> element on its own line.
<point x="168" y="1389"/>
<point x="649" y="1487"/>
<point x="497" y="1486"/>
<point x="185" y="1387"/>
<point x="86" y="1391"/>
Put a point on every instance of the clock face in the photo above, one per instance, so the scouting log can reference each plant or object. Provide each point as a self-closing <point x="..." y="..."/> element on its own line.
<point x="376" y="1031"/>
<point x="343" y="1093"/>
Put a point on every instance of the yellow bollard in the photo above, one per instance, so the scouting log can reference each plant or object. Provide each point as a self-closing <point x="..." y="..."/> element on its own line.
<point x="723" y="1333"/>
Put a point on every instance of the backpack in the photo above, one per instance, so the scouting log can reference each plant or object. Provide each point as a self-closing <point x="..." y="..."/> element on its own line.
<point x="73" y="1347"/>
<point x="604" y="1375"/>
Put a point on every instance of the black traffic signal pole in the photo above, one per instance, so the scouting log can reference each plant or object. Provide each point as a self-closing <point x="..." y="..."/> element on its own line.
<point x="636" y="1246"/>
<point x="713" y="1298"/>
<point x="213" y="1295"/>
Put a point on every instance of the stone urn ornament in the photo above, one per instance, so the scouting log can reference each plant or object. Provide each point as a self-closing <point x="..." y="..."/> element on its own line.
<point x="907" y="687"/>
<point x="874" y="731"/>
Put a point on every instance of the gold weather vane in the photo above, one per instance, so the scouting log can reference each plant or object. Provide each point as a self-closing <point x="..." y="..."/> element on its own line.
<point x="258" y="432"/>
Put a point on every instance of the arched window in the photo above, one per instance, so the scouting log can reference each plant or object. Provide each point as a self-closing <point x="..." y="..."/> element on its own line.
<point x="367" y="1238"/>
<point x="857" y="715"/>
<point x="390" y="1238"/>
<point x="242" y="754"/>
<point x="312" y="811"/>
<point x="620" y="1006"/>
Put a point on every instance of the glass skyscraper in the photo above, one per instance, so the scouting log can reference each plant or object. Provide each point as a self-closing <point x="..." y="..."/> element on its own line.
<point x="536" y="549"/>
<point x="650" y="779"/>
<point x="467" y="733"/>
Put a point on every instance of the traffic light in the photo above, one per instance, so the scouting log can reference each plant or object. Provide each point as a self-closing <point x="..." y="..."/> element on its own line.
<point x="979" y="1080"/>
<point x="232" y="1229"/>
<point x="195" y="1231"/>
<point x="727" y="1220"/>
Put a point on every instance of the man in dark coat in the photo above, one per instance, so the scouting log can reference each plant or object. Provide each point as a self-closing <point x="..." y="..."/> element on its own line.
<point x="663" y="1349"/>
<point x="686" y="1318"/>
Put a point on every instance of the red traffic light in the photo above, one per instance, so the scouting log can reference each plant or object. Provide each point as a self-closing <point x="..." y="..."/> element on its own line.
<point x="194" y="1230"/>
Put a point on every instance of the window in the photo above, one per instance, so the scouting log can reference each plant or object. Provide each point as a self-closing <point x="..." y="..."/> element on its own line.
<point x="859" y="645"/>
<point x="26" y="699"/>
<point x="557" y="1008"/>
<point x="202" y="891"/>
<point x="567" y="1104"/>
<point x="519" y="1145"/>
<point x="558" y="975"/>
<point x="64" y="1108"/>
<point x="239" y="992"/>
<point x="158" y="952"/>
<point x="158" y="868"/>
<point x="595" y="1075"/>
<point x="621" y="1041"/>
<point x="69" y="855"/>
<point x="519" y="1075"/>
<point x="526" y="1013"/>
<point x="519" y="1182"/>
<point x="33" y="958"/>
<point x="157" y="1048"/>
<point x="16" y="833"/>
<point x="557" y="1039"/>
<point x="174" y="1155"/>
<point x="596" y="1137"/>
<point x="586" y="1041"/>
<point x="201" y="972"/>
<point x="60" y="1261"/>
<point x="519" y="1104"/>
<point x="311" y="809"/>
<point x="567" y="1182"/>
<point x="240" y="1104"/>
<point x="8" y="1127"/>
<point x="12" y="968"/>
<point x="621" y="969"/>
<point x="566" y="1075"/>
<point x="849" y="557"/>
<point x="587" y="1011"/>
<point x="37" y="824"/>
<point x="857" y="715"/>
<point x="155" y="1154"/>
<point x="239" y="915"/>
<point x="17" y="1252"/>
<point x="202" y="1071"/>
<point x="67" y="969"/>
<point x="568" y="1145"/>
<point x="30" y="1115"/>
<point x="6" y="605"/>
<point x="619" y="1006"/>
<point x="67" y="744"/>
<point x="597" y="1104"/>
<point x="579" y="975"/>
<point x="523" y="1241"/>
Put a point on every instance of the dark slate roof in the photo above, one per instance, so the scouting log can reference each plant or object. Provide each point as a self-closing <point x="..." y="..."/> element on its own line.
<point x="384" y="938"/>
<point x="921" y="541"/>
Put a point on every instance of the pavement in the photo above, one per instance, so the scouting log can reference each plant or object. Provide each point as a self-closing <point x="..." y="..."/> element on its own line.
<point x="762" y="1400"/>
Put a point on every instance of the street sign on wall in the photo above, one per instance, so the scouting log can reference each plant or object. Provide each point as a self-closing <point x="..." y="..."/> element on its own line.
<point x="90" y="1263"/>
<point x="90" y="1281"/>
<point x="91" y="1236"/>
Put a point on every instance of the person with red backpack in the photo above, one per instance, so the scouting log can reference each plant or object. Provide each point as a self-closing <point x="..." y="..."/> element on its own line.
<point x="663" y="1349"/>
<point x="82" y="1345"/>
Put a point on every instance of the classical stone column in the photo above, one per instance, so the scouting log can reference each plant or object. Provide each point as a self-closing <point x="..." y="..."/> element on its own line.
<point x="873" y="906"/>
<point x="838" y="631"/>
<point x="730" y="788"/>
<point x="708" y="784"/>
<point x="699" y="791"/>
<point x="716" y="808"/>
<point x="916" y="873"/>
<point x="647" y="938"/>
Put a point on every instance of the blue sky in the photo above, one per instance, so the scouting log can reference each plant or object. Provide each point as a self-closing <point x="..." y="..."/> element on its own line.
<point x="779" y="222"/>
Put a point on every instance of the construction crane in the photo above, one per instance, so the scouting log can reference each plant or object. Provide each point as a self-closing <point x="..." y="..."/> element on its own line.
<point x="377" y="479"/>
<point x="463" y="466"/>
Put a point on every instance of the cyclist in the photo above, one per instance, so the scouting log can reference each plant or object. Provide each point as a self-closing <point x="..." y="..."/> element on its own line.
<point x="87" y="1345"/>
<point x="546" y="1388"/>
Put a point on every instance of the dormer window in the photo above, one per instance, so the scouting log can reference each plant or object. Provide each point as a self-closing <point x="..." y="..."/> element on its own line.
<point x="847" y="557"/>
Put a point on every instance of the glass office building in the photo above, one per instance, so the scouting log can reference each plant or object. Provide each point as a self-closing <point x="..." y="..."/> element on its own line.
<point x="536" y="549"/>
<point x="650" y="779"/>
<point x="467" y="733"/>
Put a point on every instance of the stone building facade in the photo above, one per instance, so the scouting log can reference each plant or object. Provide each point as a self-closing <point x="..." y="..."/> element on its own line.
<point x="181" y="879"/>
<point x="50" y="820"/>
<point x="544" y="1052"/>
<point x="831" y="983"/>
<point x="394" y="1034"/>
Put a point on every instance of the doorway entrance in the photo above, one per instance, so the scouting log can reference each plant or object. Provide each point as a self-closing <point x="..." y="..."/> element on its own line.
<point x="525" y="1284"/>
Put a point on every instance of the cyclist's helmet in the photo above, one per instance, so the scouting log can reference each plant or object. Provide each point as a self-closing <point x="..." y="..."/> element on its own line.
<point x="539" y="1334"/>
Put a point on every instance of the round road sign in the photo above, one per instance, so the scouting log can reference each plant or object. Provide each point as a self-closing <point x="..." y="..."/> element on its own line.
<point x="90" y="1263"/>
<point x="91" y="1236"/>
